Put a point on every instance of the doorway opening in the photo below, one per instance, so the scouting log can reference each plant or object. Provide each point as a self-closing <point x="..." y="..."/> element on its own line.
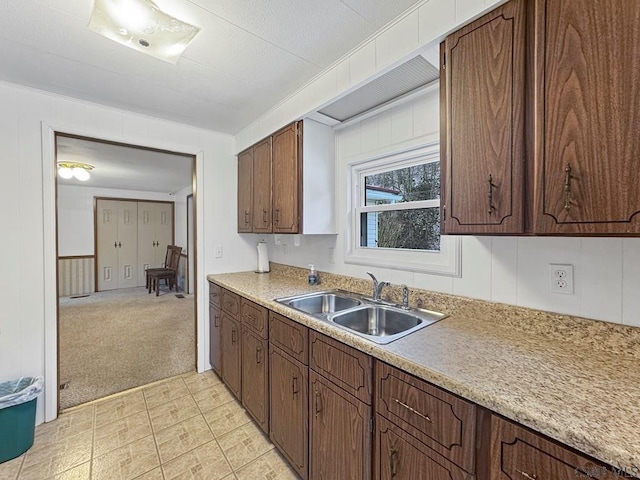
<point x="113" y="334"/>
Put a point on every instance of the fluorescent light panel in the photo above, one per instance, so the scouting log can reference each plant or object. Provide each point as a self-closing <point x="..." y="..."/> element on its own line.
<point x="141" y="25"/>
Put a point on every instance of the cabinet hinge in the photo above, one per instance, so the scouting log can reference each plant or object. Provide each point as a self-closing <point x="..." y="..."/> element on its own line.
<point x="371" y="426"/>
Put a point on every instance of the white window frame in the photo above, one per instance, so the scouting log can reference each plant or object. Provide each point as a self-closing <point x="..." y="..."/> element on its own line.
<point x="444" y="262"/>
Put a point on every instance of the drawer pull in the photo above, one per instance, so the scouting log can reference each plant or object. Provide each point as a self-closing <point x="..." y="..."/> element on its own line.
<point x="393" y="463"/>
<point x="413" y="410"/>
<point x="526" y="475"/>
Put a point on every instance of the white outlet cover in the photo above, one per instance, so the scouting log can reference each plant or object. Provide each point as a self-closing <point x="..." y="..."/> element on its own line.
<point x="561" y="278"/>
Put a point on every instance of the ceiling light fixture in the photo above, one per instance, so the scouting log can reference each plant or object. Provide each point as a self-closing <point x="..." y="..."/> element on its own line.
<point x="141" y="25"/>
<point x="78" y="170"/>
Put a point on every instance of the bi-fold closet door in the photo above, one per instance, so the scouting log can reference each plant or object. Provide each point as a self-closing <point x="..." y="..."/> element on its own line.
<point x="131" y="236"/>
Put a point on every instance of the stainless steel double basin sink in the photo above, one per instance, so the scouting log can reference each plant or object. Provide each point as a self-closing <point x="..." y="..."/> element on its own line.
<point x="378" y="322"/>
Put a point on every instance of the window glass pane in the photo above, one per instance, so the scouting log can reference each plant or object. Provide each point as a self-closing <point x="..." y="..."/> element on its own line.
<point x="417" y="229"/>
<point x="409" y="184"/>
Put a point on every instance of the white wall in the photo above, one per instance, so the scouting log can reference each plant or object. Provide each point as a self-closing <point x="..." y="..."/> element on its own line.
<point x="27" y="316"/>
<point x="75" y="215"/>
<point x="509" y="270"/>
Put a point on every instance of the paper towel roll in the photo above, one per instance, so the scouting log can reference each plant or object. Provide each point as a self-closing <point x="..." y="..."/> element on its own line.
<point x="263" y="258"/>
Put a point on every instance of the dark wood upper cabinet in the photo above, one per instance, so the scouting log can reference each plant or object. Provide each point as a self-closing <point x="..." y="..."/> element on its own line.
<point x="245" y="190"/>
<point x="587" y="79"/>
<point x="287" y="179"/>
<point x="483" y="94"/>
<point x="262" y="186"/>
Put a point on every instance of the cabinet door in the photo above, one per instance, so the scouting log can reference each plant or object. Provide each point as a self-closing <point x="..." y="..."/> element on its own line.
<point x="245" y="189"/>
<point x="399" y="456"/>
<point x="589" y="54"/>
<point x="215" y="355"/>
<point x="483" y="78"/>
<point x="231" y="354"/>
<point x="262" y="186"/>
<point x="519" y="453"/>
<point x="288" y="392"/>
<point x="255" y="371"/>
<point x="287" y="179"/>
<point x="339" y="433"/>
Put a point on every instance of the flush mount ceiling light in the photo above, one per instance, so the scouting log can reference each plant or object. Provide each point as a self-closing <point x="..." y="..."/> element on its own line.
<point x="141" y="25"/>
<point x="80" y="171"/>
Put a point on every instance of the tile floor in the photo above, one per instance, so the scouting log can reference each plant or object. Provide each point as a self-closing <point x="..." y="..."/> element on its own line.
<point x="186" y="427"/>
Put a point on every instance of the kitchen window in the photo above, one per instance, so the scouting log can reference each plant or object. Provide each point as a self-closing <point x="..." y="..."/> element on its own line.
<point x="395" y="213"/>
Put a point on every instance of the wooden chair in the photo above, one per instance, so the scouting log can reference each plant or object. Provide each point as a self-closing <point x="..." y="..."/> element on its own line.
<point x="169" y="273"/>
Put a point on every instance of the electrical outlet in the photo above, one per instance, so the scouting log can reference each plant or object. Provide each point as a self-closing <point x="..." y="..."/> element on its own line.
<point x="217" y="251"/>
<point x="561" y="278"/>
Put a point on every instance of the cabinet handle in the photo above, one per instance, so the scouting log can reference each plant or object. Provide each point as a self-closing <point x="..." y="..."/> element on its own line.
<point x="393" y="463"/>
<point x="214" y="294"/>
<point x="215" y="321"/>
<point x="567" y="187"/>
<point x="246" y="216"/>
<point x="527" y="476"/>
<point x="258" y="355"/>
<point x="294" y="386"/>
<point x="264" y="216"/>
<point x="413" y="410"/>
<point x="491" y="187"/>
<point x="119" y="245"/>
<point x="318" y="402"/>
<point x="115" y="244"/>
<point x="276" y="220"/>
<point x="234" y="335"/>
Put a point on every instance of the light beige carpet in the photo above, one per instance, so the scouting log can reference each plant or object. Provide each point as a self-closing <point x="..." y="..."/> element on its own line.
<point x="120" y="339"/>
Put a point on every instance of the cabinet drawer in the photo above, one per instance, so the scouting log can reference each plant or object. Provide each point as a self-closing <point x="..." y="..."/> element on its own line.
<point x="255" y="317"/>
<point x="439" y="419"/>
<point x="517" y="452"/>
<point x="348" y="368"/>
<point x="214" y="294"/>
<point x="289" y="336"/>
<point x="229" y="302"/>
<point x="400" y="456"/>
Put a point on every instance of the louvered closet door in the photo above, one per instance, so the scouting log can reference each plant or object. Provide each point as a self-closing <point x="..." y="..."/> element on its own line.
<point x="127" y="244"/>
<point x="107" y="244"/>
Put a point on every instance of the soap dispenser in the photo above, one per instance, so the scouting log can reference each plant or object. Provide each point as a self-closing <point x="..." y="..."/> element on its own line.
<point x="313" y="275"/>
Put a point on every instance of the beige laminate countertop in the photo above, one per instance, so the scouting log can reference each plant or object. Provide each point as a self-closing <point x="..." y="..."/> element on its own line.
<point x="575" y="380"/>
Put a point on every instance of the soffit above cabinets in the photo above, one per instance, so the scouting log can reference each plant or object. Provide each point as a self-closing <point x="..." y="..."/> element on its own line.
<point x="405" y="78"/>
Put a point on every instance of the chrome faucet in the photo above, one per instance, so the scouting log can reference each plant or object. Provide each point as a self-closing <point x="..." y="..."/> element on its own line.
<point x="405" y="297"/>
<point x="377" y="287"/>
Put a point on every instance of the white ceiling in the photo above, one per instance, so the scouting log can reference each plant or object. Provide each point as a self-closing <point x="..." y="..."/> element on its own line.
<point x="126" y="167"/>
<point x="249" y="55"/>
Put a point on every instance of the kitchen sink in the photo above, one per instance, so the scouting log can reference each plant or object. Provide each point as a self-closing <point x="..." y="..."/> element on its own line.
<point x="319" y="303"/>
<point x="376" y="321"/>
<point x="383" y="324"/>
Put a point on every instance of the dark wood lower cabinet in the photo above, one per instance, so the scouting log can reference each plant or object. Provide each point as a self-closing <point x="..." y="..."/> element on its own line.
<point x="339" y="433"/>
<point x="255" y="377"/>
<point x="288" y="386"/>
<point x="230" y="338"/>
<point x="399" y="456"/>
<point x="215" y="355"/>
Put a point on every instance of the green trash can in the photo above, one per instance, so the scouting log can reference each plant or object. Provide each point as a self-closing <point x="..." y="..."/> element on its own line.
<point x="18" y="400"/>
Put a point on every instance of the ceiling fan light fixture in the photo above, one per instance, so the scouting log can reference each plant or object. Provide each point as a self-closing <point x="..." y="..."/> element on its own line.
<point x="141" y="25"/>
